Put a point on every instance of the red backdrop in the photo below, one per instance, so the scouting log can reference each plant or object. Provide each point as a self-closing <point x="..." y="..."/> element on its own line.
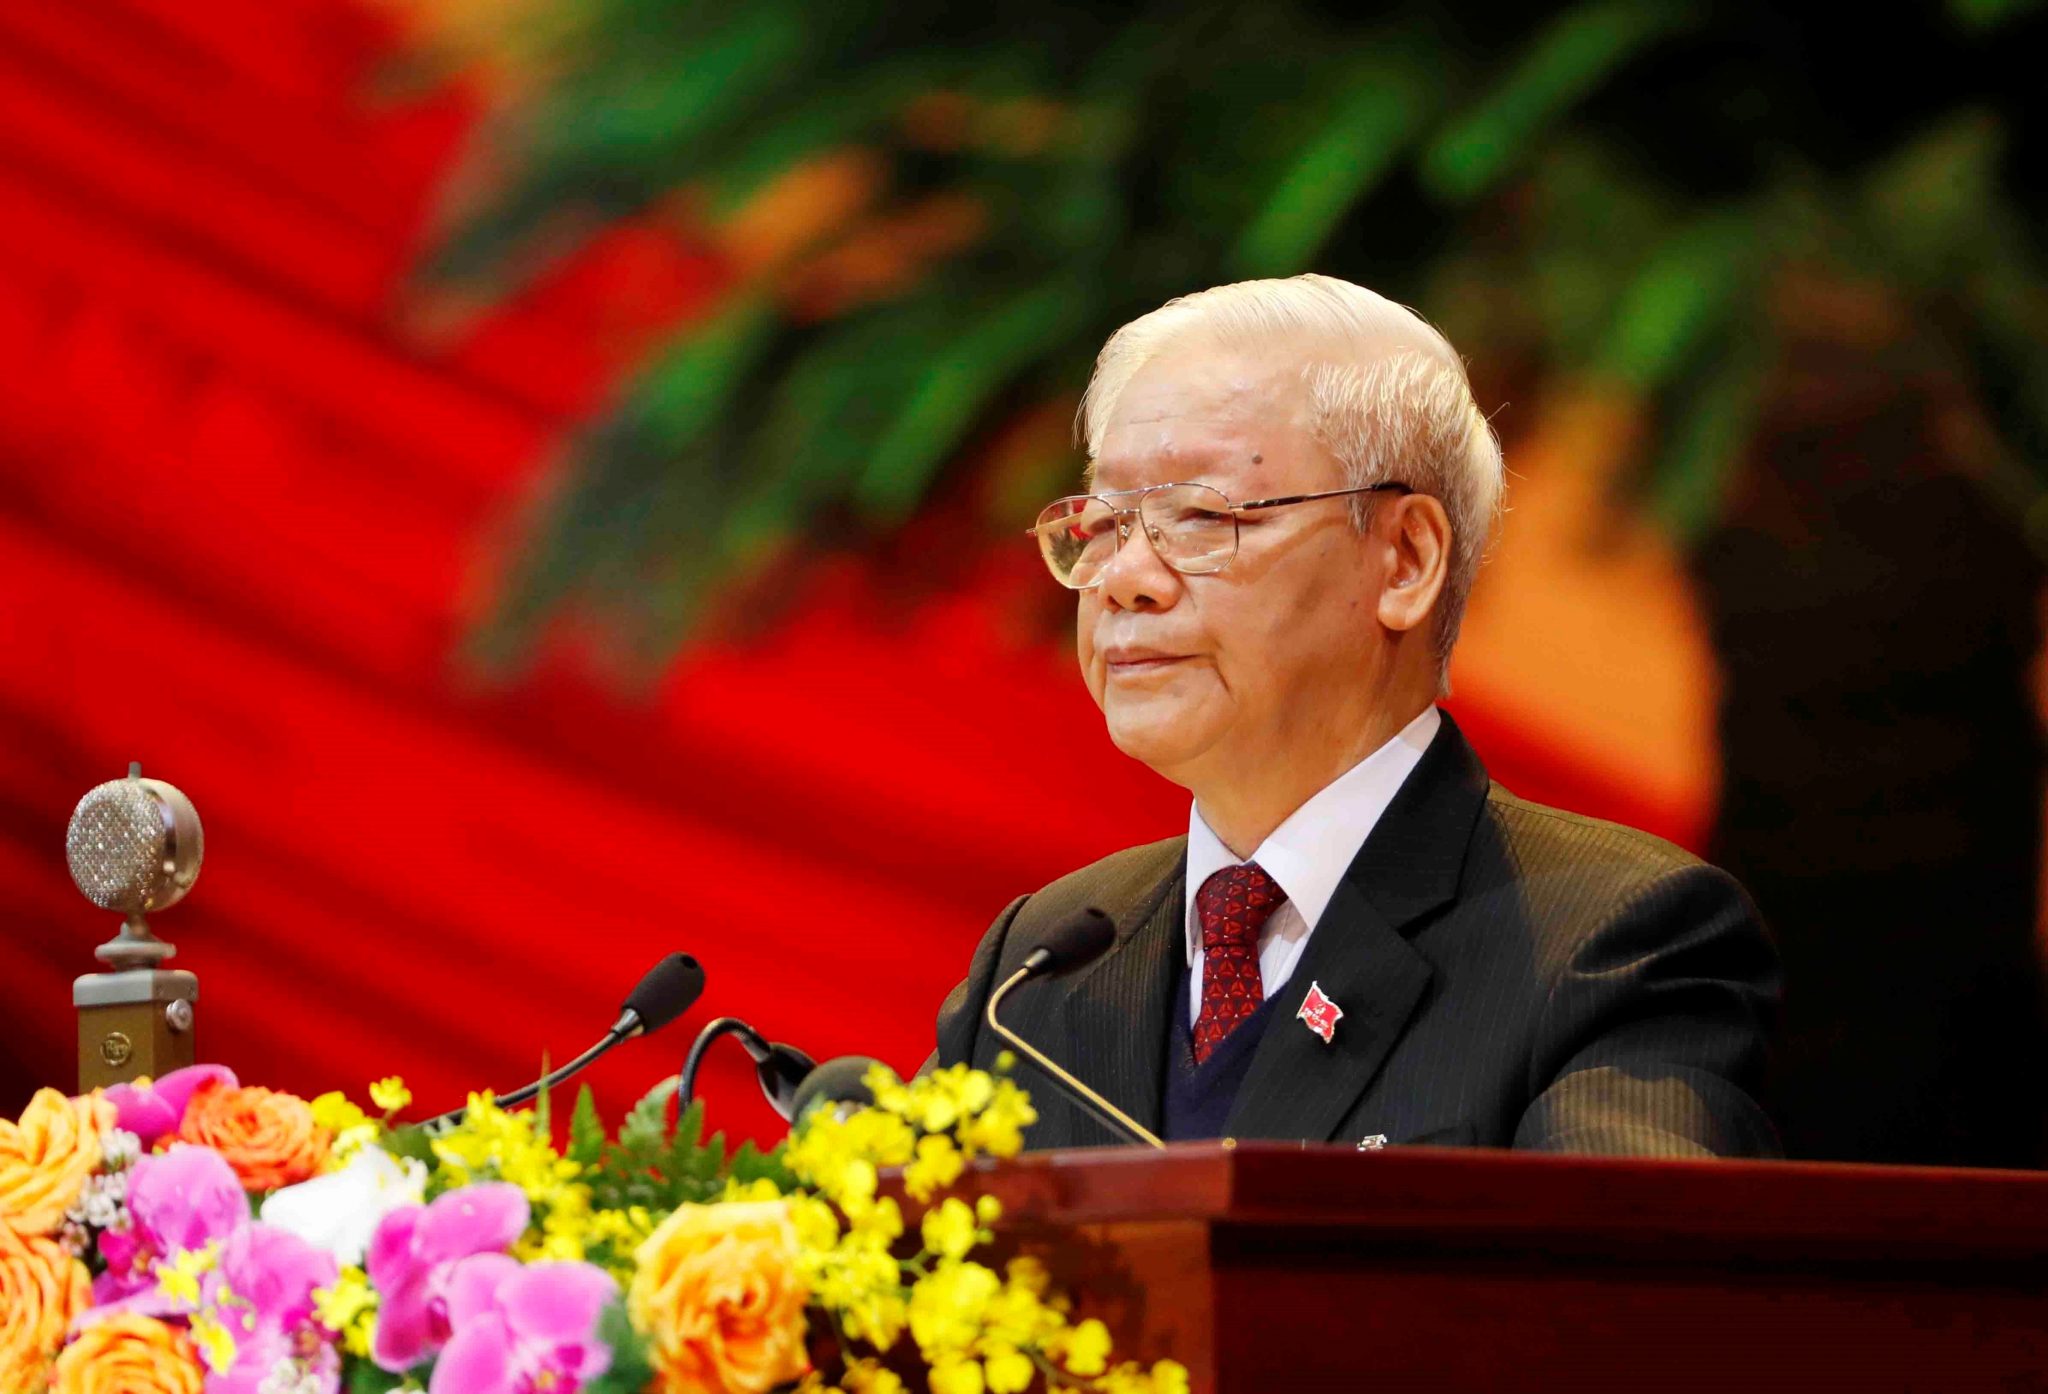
<point x="245" y="519"/>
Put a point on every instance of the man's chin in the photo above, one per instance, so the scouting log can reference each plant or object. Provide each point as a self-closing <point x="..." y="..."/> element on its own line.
<point x="1165" y="741"/>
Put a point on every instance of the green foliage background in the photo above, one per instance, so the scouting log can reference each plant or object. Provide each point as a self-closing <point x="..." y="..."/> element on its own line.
<point x="1614" y="191"/>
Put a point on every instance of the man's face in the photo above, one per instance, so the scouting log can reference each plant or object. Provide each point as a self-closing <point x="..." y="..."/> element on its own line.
<point x="1218" y="676"/>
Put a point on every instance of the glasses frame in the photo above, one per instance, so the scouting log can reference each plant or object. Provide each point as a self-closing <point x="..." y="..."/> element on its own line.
<point x="1123" y="518"/>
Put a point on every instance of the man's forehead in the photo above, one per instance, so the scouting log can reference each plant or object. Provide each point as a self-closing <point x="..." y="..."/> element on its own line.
<point x="1195" y="413"/>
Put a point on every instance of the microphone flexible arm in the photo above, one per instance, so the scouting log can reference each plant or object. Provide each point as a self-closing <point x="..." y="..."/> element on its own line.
<point x="1116" y="1118"/>
<point x="547" y="1081"/>
<point x="624" y="1029"/>
<point x="723" y="1026"/>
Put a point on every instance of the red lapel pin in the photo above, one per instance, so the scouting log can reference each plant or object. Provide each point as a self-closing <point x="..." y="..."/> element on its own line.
<point x="1321" y="1014"/>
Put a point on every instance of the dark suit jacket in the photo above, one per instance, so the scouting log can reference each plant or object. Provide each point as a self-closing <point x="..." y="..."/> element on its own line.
<point x="1510" y="976"/>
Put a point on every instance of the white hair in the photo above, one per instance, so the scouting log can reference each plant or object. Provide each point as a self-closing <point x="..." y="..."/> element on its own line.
<point x="1407" y="415"/>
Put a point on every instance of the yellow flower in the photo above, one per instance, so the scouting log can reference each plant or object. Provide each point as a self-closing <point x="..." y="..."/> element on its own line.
<point x="938" y="1165"/>
<point x="890" y="1093"/>
<point x="720" y="1296"/>
<point x="1085" y="1348"/>
<point x="349" y="1308"/>
<point x="956" y="1377"/>
<point x="128" y="1354"/>
<point x="977" y="1333"/>
<point x="949" y="1228"/>
<point x="1009" y="1370"/>
<point x="947" y="1306"/>
<point x="390" y="1094"/>
<point x="42" y="1288"/>
<point x="876" y="1226"/>
<point x="350" y="1126"/>
<point x="492" y="1144"/>
<point x="334" y="1112"/>
<point x="870" y="1377"/>
<point x="46" y="1157"/>
<point x="998" y="1128"/>
<point x="216" y="1343"/>
<point x="1028" y="1272"/>
<point x="1016" y="1317"/>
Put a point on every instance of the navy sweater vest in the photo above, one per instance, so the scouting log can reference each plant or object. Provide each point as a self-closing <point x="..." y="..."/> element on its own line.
<point x="1198" y="1098"/>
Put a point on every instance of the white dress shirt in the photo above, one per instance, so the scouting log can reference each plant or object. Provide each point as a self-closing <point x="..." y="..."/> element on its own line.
<point x="1307" y="855"/>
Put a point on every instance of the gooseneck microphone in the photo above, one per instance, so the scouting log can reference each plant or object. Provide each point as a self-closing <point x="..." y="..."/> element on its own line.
<point x="668" y="990"/>
<point x="780" y="1068"/>
<point x="1080" y="940"/>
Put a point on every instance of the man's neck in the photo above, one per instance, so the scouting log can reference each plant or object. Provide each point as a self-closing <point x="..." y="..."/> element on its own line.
<point x="1244" y="810"/>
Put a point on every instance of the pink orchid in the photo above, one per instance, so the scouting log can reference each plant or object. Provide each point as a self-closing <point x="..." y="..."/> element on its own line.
<point x="154" y="1110"/>
<point x="412" y="1256"/>
<point x="272" y="1274"/>
<point x="183" y="1199"/>
<point x="520" y="1327"/>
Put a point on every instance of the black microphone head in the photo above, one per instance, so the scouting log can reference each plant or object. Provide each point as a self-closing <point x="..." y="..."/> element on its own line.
<point x="669" y="989"/>
<point x="1082" y="939"/>
<point x="782" y="1073"/>
<point x="837" y="1081"/>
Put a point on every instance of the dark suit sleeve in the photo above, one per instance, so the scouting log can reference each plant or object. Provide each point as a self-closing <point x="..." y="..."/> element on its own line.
<point x="1652" y="1042"/>
<point x="960" y="1014"/>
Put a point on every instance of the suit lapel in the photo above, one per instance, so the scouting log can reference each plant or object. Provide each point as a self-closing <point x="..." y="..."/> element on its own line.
<point x="1298" y="1087"/>
<point x="1117" y="1012"/>
<point x="1360" y="957"/>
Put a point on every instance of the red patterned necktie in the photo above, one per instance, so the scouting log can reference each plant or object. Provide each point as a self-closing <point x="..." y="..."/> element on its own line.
<point x="1233" y="905"/>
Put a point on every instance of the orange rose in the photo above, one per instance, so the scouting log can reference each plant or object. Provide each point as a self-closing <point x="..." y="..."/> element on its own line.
<point x="718" y="1295"/>
<point x="42" y="1287"/>
<point x="45" y="1158"/>
<point x="269" y="1138"/>
<point x="128" y="1354"/>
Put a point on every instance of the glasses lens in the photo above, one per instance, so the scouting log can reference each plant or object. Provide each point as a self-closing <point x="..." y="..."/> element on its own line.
<point x="1191" y="527"/>
<point x="1078" y="537"/>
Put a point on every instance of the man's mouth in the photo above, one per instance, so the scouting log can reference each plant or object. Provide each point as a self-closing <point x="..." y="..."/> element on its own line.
<point x="1138" y="662"/>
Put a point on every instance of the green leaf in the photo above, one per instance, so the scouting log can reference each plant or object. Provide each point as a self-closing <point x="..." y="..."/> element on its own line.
<point x="1566" y="60"/>
<point x="586" y="1130"/>
<point x="646" y="1124"/>
<point x="1335" y="168"/>
<point x="410" y="1141"/>
<point x="543" y="1114"/>
<point x="1933" y="200"/>
<point x="956" y="387"/>
<point x="1690" y="286"/>
<point x="683" y="393"/>
<point x="1984" y="15"/>
<point x="631" y="1370"/>
<point x="1709" y="425"/>
<point x="367" y="1377"/>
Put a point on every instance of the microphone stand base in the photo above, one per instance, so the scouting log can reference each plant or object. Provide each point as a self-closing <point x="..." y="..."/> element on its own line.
<point x="133" y="1023"/>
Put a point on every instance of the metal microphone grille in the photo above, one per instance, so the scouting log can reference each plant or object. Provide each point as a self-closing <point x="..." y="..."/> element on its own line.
<point x="134" y="845"/>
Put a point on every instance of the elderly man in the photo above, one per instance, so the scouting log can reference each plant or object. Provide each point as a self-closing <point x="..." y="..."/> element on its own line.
<point x="1361" y="938"/>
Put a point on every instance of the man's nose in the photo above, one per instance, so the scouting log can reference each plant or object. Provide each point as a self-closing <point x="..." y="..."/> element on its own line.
<point x="1136" y="578"/>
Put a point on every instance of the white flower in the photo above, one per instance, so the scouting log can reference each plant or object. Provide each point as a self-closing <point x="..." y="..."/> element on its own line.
<point x="118" y="1149"/>
<point x="339" y="1212"/>
<point x="100" y="1209"/>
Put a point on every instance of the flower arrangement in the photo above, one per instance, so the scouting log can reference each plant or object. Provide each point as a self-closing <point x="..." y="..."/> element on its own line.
<point x="198" y="1236"/>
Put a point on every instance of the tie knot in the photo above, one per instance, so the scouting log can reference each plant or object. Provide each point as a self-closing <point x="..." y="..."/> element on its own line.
<point x="1234" y="905"/>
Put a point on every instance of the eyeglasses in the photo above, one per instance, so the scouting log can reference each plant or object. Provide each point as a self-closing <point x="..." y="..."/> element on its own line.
<point x="1192" y="527"/>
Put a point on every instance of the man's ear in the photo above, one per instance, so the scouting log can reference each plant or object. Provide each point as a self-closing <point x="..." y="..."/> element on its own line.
<point x="1417" y="534"/>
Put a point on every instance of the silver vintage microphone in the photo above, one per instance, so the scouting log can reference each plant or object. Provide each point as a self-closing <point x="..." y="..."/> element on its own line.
<point x="134" y="846"/>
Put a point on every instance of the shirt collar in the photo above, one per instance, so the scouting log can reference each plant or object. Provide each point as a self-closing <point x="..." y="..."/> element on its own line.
<point x="1309" y="853"/>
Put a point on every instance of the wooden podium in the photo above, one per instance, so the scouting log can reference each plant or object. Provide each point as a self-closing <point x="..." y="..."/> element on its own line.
<point x="1267" y="1267"/>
